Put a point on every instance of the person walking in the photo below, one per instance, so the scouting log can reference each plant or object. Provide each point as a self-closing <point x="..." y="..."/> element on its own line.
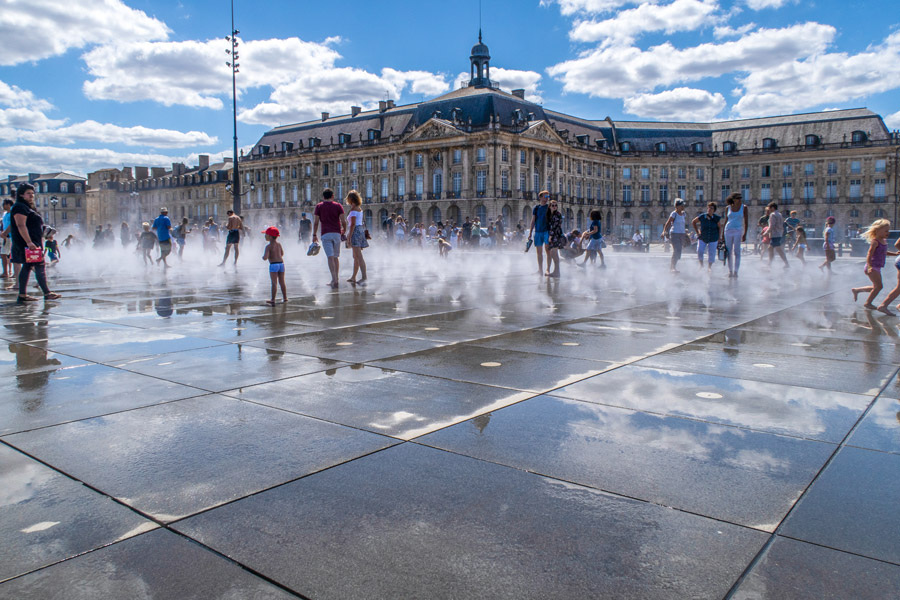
<point x="27" y="231"/>
<point x="6" y="246"/>
<point x="676" y="231"/>
<point x="234" y="225"/>
<point x="737" y="222"/>
<point x="305" y="229"/>
<point x="539" y="231"/>
<point x="556" y="238"/>
<point x="163" y="228"/>
<point x="124" y="234"/>
<point x="709" y="230"/>
<point x="828" y="244"/>
<point x="776" y="234"/>
<point x="356" y="237"/>
<point x="331" y="216"/>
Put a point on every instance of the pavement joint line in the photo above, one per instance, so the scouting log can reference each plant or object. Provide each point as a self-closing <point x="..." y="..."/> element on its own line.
<point x="759" y="555"/>
<point x="827" y="547"/>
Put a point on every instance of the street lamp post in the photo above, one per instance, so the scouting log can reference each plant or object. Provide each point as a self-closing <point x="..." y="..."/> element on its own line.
<point x="53" y="202"/>
<point x="135" y="200"/>
<point x="233" y="64"/>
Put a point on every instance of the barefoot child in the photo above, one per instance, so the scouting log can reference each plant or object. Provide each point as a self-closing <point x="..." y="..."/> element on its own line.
<point x="828" y="244"/>
<point x="595" y="240"/>
<point x="800" y="244"/>
<point x="51" y="248"/>
<point x="146" y="242"/>
<point x="444" y="247"/>
<point x="274" y="253"/>
<point x="876" y="235"/>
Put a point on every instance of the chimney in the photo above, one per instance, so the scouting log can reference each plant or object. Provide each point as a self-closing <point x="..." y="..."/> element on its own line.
<point x="141" y="172"/>
<point x="126" y="173"/>
<point x="227" y="159"/>
<point x="355" y="110"/>
<point x="382" y="106"/>
<point x="324" y="116"/>
<point x="390" y="104"/>
<point x="520" y="93"/>
<point x="33" y="176"/>
<point x="204" y="161"/>
<point x="157" y="172"/>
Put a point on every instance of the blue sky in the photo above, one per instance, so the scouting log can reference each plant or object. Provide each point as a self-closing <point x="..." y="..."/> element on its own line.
<point x="112" y="83"/>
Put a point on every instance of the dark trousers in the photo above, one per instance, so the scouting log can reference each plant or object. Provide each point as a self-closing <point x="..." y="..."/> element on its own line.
<point x="39" y="274"/>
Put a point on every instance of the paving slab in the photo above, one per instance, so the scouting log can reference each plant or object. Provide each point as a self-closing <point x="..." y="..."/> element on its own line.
<point x="793" y="569"/>
<point x="413" y="522"/>
<point x="48" y="517"/>
<point x="852" y="506"/>
<point x="161" y="565"/>
<point x="347" y="345"/>
<point x="176" y="459"/>
<point x="394" y="403"/>
<point x="784" y="409"/>
<point x="725" y="473"/>
<point x="880" y="428"/>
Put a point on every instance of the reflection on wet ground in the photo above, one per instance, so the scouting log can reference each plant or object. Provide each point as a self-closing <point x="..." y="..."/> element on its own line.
<point x="464" y="429"/>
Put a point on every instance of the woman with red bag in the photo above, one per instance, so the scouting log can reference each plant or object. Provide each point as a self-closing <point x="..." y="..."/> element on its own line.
<point x="27" y="233"/>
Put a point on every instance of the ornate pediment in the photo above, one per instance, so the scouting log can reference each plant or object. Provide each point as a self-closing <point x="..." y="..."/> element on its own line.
<point x="434" y="128"/>
<point x="543" y="131"/>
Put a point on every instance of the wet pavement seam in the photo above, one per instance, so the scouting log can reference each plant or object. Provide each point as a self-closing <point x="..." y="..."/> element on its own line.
<point x="842" y="551"/>
<point x="777" y="532"/>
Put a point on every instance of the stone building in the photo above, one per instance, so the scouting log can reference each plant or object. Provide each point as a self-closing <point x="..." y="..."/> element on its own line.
<point x="136" y="195"/>
<point x="481" y="151"/>
<point x="70" y="210"/>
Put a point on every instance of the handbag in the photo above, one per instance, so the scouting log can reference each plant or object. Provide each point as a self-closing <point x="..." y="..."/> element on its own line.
<point x="368" y="236"/>
<point x="722" y="251"/>
<point x="35" y="255"/>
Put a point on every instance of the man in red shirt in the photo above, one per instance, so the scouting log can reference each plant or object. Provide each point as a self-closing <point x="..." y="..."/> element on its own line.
<point x="331" y="215"/>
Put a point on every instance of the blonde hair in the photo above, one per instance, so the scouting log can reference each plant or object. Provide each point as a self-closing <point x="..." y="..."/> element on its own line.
<point x="353" y="198"/>
<point x="869" y="234"/>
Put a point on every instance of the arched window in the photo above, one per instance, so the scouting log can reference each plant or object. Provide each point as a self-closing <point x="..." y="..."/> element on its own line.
<point x="645" y="215"/>
<point x="453" y="214"/>
<point x="812" y="140"/>
<point x="526" y="215"/>
<point x="579" y="220"/>
<point x="570" y="219"/>
<point x="507" y="215"/>
<point x="368" y="217"/>
<point x="854" y="213"/>
<point x="481" y="213"/>
<point x="435" y="215"/>
<point x="63" y="187"/>
<point x="625" y="146"/>
<point x="808" y="214"/>
<point x="382" y="215"/>
<point x="879" y="213"/>
<point x="729" y="146"/>
<point x="415" y="215"/>
<point x="859" y="137"/>
<point x="627" y="215"/>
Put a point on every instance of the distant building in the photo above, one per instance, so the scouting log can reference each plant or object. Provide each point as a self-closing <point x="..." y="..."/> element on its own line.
<point x="480" y="151"/>
<point x="67" y="189"/>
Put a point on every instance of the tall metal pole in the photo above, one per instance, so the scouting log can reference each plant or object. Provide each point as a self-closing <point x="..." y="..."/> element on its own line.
<point x="236" y="176"/>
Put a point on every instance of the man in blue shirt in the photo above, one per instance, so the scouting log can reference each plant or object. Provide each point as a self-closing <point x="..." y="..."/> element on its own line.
<point x="540" y="228"/>
<point x="163" y="226"/>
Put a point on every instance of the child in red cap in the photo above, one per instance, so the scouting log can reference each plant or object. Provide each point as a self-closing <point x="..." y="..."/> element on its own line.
<point x="274" y="253"/>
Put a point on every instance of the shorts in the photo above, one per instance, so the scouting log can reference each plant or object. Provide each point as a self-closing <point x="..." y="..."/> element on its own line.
<point x="775" y="242"/>
<point x="829" y="254"/>
<point x="276" y="267"/>
<point x="897" y="263"/>
<point x="594" y="245"/>
<point x="180" y="241"/>
<point x="541" y="238"/>
<point x="6" y="247"/>
<point x="874" y="269"/>
<point x="165" y="248"/>
<point x="234" y="237"/>
<point x="801" y="246"/>
<point x="331" y="244"/>
<point x="52" y="256"/>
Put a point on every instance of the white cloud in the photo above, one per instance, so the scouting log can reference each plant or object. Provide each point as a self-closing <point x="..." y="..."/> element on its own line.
<point x="618" y="71"/>
<point x="92" y="131"/>
<point x="31" y="30"/>
<point x="680" y="104"/>
<point x="726" y="31"/>
<point x="24" y="118"/>
<point x="762" y="4"/>
<point x="571" y="7"/>
<point x="420" y="82"/>
<point x="893" y="121"/>
<point x="680" y="15"/>
<point x="45" y="159"/>
<point x="821" y="78"/>
<point x="511" y="79"/>
<point x="12" y="95"/>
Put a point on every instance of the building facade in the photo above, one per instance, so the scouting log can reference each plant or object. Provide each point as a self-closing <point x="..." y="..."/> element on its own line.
<point x="482" y="152"/>
<point x="60" y="197"/>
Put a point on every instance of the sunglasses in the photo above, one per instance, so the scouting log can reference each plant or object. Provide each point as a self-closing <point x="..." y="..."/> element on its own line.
<point x="554" y="204"/>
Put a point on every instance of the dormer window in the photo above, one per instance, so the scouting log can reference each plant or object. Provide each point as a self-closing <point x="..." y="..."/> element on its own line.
<point x="583" y="138"/>
<point x="729" y="147"/>
<point x="769" y="144"/>
<point x="812" y="141"/>
<point x="374" y="134"/>
<point x="661" y="147"/>
<point x="344" y="138"/>
<point x="625" y="146"/>
<point x="601" y="144"/>
<point x="697" y="147"/>
<point x="859" y="137"/>
<point x="315" y="142"/>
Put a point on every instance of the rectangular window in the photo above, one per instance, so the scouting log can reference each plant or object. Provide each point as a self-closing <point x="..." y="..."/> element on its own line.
<point x="369" y="188"/>
<point x="809" y="169"/>
<point x="384" y="187"/>
<point x="682" y="173"/>
<point x="77" y="202"/>
<point x="480" y="155"/>
<point x="339" y="168"/>
<point x="537" y="182"/>
<point x="353" y="167"/>
<point x="401" y="162"/>
<point x="855" y="188"/>
<point x="765" y="192"/>
<point x="419" y="160"/>
<point x="281" y="195"/>
<point x="522" y="181"/>
<point x="726" y="191"/>
<point x="626" y="172"/>
<point x="578" y="190"/>
<point x="420" y="184"/>
<point x="281" y="173"/>
<point x="698" y="194"/>
<point x="700" y="173"/>
<point x="270" y="196"/>
<point x="831" y="189"/>
<point x="384" y="165"/>
<point x="401" y="185"/>
<point x="457" y="156"/>
<point x="855" y="166"/>
<point x="504" y="181"/>
<point x="589" y="190"/>
<point x="626" y="193"/>
<point x="726" y="173"/>
<point x="481" y="181"/>
<point x="745" y="192"/>
<point x="664" y="172"/>
<point x="308" y="192"/>
<point x="368" y="165"/>
<point x="880" y="187"/>
<point x="645" y="194"/>
<point x="578" y="167"/>
<point x="787" y="170"/>
<point x="787" y="191"/>
<point x="832" y="168"/>
<point x="745" y="172"/>
<point x="809" y="190"/>
<point x="504" y="154"/>
<point x="682" y="191"/>
<point x="645" y="173"/>
<point x="663" y="193"/>
<point x="340" y="191"/>
<point x="765" y="171"/>
<point x="880" y="166"/>
<point x="457" y="182"/>
<point x="522" y="157"/>
<point x="308" y="170"/>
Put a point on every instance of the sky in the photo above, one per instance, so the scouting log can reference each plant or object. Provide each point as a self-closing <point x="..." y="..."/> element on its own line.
<point x="90" y="84"/>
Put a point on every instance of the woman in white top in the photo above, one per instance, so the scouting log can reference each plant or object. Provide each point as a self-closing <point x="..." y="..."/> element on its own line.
<point x="356" y="236"/>
<point x="677" y="232"/>
<point x="737" y="221"/>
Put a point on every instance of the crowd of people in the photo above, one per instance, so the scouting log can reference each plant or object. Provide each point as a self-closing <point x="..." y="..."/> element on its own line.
<point x="28" y="245"/>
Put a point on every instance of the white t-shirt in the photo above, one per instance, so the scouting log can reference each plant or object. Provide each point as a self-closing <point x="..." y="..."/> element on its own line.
<point x="677" y="222"/>
<point x="355" y="214"/>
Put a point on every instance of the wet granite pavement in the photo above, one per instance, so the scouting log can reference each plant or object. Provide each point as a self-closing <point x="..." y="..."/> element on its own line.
<point x="463" y="429"/>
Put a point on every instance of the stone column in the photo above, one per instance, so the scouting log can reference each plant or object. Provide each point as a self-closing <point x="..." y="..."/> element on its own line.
<point x="446" y="180"/>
